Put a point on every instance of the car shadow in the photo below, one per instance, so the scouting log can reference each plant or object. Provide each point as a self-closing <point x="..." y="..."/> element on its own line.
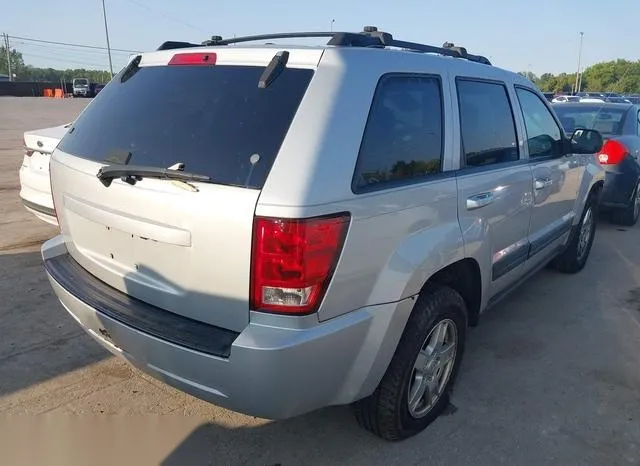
<point x="40" y="340"/>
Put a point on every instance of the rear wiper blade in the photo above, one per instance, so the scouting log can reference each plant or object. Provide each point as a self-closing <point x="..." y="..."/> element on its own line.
<point x="275" y="67"/>
<point x="131" y="174"/>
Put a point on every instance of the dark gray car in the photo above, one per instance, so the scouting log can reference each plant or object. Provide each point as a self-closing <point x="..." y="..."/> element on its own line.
<point x="619" y="124"/>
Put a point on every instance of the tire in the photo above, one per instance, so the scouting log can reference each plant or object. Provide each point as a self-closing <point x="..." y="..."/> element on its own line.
<point x="574" y="257"/>
<point x="628" y="216"/>
<point x="386" y="413"/>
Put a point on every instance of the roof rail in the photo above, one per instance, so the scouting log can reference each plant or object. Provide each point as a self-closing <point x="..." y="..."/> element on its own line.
<point x="369" y="37"/>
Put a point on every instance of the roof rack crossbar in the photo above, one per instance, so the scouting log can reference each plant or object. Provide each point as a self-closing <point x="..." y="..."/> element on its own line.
<point x="369" y="37"/>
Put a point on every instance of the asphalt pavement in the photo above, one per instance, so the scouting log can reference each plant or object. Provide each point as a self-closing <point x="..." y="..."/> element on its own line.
<point x="551" y="376"/>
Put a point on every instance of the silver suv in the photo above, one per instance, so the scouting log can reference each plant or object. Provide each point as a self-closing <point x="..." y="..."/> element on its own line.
<point x="280" y="228"/>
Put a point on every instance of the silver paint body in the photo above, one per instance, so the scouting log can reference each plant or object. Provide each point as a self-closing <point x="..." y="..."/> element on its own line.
<point x="189" y="252"/>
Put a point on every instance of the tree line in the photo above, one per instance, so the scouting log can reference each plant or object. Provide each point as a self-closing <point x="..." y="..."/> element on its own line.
<point x="621" y="76"/>
<point x="24" y="72"/>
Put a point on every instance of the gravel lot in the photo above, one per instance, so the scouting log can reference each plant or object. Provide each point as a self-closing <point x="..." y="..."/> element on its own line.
<point x="551" y="376"/>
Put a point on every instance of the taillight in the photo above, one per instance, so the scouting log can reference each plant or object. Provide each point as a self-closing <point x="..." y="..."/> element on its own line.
<point x="293" y="261"/>
<point x="612" y="153"/>
<point x="193" y="59"/>
<point x="28" y="152"/>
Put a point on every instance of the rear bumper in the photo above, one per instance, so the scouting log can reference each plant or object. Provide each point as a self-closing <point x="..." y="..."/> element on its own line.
<point x="35" y="193"/>
<point x="43" y="213"/>
<point x="266" y="371"/>
<point x="618" y="187"/>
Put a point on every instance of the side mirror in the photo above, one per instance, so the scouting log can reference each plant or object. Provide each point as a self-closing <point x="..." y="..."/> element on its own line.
<point x="585" y="141"/>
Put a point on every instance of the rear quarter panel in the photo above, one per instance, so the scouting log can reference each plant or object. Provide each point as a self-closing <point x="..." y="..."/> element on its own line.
<point x="593" y="174"/>
<point x="398" y="237"/>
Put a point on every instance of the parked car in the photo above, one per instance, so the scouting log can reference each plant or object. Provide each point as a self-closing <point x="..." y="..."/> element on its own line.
<point x="98" y="88"/>
<point x="35" y="189"/>
<point x="620" y="126"/>
<point x="82" y="87"/>
<point x="595" y="95"/>
<point x="566" y="98"/>
<point x="280" y="228"/>
<point x="634" y="99"/>
<point x="617" y="100"/>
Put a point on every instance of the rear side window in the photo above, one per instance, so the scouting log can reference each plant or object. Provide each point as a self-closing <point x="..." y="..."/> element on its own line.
<point x="214" y="119"/>
<point x="402" y="140"/>
<point x="487" y="124"/>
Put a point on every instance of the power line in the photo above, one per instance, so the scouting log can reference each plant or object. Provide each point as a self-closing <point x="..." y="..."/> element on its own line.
<point x="166" y="16"/>
<point x="70" y="45"/>
<point x="64" y="59"/>
<point x="66" y="49"/>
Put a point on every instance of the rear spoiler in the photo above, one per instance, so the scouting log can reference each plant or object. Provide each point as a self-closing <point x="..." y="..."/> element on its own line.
<point x="170" y="44"/>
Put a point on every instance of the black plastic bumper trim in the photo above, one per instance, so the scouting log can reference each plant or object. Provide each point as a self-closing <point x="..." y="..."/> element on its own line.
<point x="137" y="314"/>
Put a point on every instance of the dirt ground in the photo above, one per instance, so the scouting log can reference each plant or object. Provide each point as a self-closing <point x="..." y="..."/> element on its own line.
<point x="551" y="376"/>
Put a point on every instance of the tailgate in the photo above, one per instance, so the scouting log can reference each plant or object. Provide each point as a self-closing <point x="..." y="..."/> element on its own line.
<point x="182" y="251"/>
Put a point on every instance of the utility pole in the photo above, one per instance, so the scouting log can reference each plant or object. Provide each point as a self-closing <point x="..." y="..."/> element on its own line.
<point x="106" y="32"/>
<point x="6" y="45"/>
<point x="578" y="80"/>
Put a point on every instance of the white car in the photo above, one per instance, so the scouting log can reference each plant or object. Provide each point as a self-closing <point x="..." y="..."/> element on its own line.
<point x="35" y="187"/>
<point x="566" y="98"/>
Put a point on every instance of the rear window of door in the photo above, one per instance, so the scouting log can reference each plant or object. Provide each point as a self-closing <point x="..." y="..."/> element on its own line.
<point x="214" y="119"/>
<point x="403" y="140"/>
<point x="544" y="137"/>
<point x="486" y="123"/>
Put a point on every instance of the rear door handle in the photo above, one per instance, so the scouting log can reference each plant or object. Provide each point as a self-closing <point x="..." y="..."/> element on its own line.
<point x="479" y="200"/>
<point x="541" y="183"/>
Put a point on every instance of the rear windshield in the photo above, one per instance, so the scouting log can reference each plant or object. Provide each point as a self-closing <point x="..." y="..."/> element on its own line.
<point x="213" y="119"/>
<point x="604" y="120"/>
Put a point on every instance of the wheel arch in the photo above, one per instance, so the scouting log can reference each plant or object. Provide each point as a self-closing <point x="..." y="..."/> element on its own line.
<point x="592" y="183"/>
<point x="463" y="276"/>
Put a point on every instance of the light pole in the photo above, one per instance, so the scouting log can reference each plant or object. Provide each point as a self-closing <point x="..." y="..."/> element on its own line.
<point x="106" y="32"/>
<point x="332" y="21"/>
<point x="578" y="80"/>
